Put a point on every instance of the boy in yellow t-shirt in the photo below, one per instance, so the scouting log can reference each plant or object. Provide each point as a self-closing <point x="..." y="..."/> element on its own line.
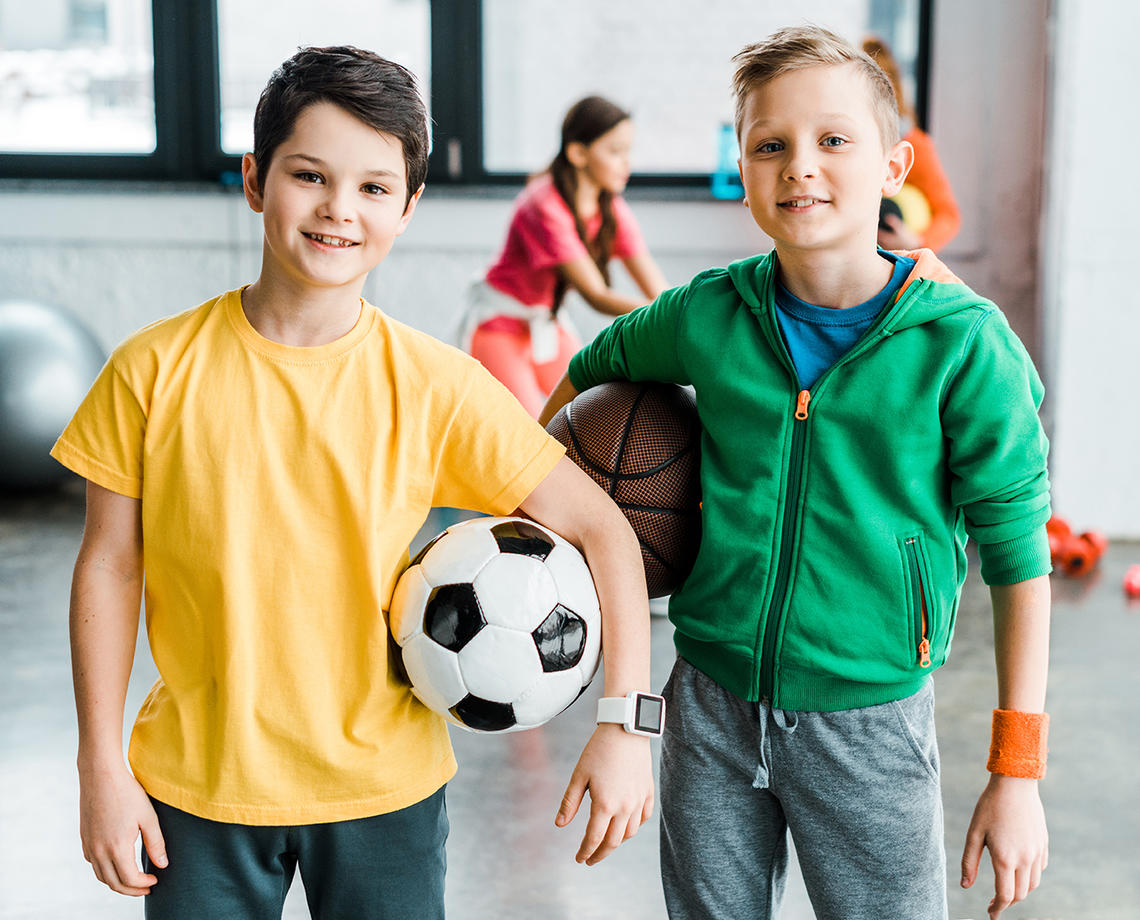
<point x="260" y="463"/>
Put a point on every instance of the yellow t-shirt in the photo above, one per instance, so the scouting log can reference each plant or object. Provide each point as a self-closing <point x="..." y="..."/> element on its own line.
<point x="280" y="489"/>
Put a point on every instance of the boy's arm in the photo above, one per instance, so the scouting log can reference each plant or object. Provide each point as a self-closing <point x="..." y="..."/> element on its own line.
<point x="105" y="594"/>
<point x="1009" y="818"/>
<point x="615" y="766"/>
<point x="563" y="393"/>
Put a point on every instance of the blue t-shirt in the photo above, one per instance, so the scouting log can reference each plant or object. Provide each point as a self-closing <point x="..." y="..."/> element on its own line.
<point x="817" y="337"/>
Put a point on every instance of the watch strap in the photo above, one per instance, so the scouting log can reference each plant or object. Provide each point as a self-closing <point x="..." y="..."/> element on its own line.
<point x="615" y="709"/>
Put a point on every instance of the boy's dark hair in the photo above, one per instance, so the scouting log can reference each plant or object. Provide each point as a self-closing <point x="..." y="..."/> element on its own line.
<point x="586" y="121"/>
<point x="379" y="92"/>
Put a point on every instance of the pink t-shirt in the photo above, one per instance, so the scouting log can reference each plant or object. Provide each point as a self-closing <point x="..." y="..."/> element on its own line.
<point x="542" y="237"/>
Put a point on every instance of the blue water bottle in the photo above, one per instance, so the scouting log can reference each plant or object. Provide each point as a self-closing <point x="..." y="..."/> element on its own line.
<point x="725" y="180"/>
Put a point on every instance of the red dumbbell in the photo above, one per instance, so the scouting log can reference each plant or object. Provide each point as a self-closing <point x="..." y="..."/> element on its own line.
<point x="1079" y="553"/>
<point x="1132" y="581"/>
<point x="1059" y="531"/>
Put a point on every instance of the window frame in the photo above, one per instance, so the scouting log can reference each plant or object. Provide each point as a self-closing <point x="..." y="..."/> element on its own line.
<point x="188" y="123"/>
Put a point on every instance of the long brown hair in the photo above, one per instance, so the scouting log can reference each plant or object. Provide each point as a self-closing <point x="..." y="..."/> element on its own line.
<point x="586" y="121"/>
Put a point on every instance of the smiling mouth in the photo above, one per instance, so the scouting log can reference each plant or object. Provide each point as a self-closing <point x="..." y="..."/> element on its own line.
<point x="796" y="203"/>
<point x="329" y="240"/>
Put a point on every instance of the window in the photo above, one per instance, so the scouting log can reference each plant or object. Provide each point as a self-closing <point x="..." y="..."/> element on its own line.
<point x="397" y="29"/>
<point x="167" y="88"/>
<point x="77" y="77"/>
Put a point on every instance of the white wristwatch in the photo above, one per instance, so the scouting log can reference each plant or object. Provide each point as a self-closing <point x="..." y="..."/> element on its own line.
<point x="638" y="713"/>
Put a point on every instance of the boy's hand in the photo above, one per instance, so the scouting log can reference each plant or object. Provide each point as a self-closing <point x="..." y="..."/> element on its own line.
<point x="113" y="810"/>
<point x="1010" y="821"/>
<point x="617" y="769"/>
<point x="899" y="237"/>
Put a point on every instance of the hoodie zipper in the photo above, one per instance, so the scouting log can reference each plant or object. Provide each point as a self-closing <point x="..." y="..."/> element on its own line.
<point x="784" y="565"/>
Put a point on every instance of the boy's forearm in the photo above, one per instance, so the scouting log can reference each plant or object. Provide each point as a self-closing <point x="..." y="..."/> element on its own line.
<point x="562" y="394"/>
<point x="104" y="626"/>
<point x="1021" y="643"/>
<point x="573" y="506"/>
<point x="612" y="552"/>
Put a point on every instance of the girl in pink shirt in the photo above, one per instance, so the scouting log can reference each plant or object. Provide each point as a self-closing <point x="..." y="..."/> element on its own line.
<point x="567" y="224"/>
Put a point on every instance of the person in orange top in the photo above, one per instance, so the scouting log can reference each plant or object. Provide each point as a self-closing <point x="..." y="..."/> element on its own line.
<point x="926" y="175"/>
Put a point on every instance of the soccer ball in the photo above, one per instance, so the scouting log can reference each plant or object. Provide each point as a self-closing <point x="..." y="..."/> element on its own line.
<point x="498" y="624"/>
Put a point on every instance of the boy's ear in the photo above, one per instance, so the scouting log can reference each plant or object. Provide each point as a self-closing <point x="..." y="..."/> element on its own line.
<point x="250" y="183"/>
<point x="577" y="154"/>
<point x="409" y="211"/>
<point x="899" y="162"/>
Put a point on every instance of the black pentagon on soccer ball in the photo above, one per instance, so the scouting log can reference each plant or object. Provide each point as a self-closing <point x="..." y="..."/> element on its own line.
<point x="483" y="715"/>
<point x="560" y="639"/>
<point x="522" y="538"/>
<point x="452" y="615"/>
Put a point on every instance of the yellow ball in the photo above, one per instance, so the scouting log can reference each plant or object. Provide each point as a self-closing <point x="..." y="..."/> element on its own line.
<point x="915" y="208"/>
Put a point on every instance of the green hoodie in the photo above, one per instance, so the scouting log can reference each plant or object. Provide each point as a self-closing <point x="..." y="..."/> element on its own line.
<point x="833" y="543"/>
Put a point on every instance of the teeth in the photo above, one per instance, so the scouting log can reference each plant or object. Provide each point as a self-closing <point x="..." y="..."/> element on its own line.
<point x="801" y="202"/>
<point x="330" y="240"/>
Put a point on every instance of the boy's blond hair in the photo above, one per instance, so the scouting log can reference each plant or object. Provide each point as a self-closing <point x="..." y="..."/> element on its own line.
<point x="797" y="47"/>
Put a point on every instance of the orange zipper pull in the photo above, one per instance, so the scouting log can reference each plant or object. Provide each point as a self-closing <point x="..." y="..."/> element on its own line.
<point x="802" y="404"/>
<point x="924" y="653"/>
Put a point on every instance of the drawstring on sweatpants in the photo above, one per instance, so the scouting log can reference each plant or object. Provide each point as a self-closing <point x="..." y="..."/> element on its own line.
<point x="785" y="721"/>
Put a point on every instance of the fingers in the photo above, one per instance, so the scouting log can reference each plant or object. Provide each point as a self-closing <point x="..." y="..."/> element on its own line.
<point x="1005" y="889"/>
<point x="1012" y="884"/>
<point x="601" y="839"/>
<point x="571" y="800"/>
<point x="118" y="871"/>
<point x="647" y="809"/>
<point x="632" y="826"/>
<point x="152" y="840"/>
<point x="971" y="856"/>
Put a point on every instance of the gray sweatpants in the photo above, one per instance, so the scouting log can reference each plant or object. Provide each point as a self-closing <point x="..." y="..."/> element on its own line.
<point x="858" y="789"/>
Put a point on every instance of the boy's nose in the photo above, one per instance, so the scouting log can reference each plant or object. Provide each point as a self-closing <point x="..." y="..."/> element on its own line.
<point x="800" y="165"/>
<point x="335" y="206"/>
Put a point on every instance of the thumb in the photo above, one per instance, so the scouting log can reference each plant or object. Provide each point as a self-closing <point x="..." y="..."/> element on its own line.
<point x="571" y="800"/>
<point x="153" y="841"/>
<point x="971" y="856"/>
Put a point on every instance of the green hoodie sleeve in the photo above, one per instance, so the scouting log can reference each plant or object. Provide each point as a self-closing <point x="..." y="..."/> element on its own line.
<point x="997" y="452"/>
<point x="642" y="345"/>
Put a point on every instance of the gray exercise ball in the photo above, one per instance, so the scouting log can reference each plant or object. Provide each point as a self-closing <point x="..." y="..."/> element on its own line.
<point x="48" y="361"/>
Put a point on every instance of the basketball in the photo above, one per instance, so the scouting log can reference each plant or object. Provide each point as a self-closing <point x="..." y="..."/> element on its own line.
<point x="641" y="443"/>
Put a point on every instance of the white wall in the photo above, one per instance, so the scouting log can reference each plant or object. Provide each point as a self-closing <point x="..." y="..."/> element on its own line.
<point x="120" y="258"/>
<point x="1092" y="308"/>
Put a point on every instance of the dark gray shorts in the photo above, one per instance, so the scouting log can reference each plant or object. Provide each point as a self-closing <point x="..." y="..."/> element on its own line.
<point x="858" y="790"/>
<point x="388" y="867"/>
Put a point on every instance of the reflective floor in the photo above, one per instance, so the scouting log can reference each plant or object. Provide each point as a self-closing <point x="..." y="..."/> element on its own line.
<point x="506" y="859"/>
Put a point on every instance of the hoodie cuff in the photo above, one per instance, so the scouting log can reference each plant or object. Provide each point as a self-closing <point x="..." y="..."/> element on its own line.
<point x="1019" y="559"/>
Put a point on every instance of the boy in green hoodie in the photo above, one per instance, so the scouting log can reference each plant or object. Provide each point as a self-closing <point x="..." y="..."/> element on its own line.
<point x="863" y="412"/>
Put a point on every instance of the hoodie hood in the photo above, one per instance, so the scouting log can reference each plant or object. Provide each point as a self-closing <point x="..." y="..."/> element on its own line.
<point x="930" y="292"/>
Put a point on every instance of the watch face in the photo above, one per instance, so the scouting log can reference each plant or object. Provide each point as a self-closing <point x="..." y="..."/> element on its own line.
<point x="647" y="714"/>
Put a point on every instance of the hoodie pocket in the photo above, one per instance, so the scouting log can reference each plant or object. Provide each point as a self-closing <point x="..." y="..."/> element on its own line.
<point x="920" y="598"/>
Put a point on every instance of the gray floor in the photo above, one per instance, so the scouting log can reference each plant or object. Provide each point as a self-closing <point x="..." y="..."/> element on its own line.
<point x="506" y="858"/>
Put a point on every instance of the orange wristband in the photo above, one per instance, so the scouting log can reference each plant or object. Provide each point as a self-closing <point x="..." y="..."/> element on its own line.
<point x="1018" y="743"/>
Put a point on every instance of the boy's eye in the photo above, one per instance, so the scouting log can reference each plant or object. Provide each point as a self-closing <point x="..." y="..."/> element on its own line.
<point x="834" y="141"/>
<point x="306" y="176"/>
<point x="372" y="189"/>
<point x="770" y="147"/>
